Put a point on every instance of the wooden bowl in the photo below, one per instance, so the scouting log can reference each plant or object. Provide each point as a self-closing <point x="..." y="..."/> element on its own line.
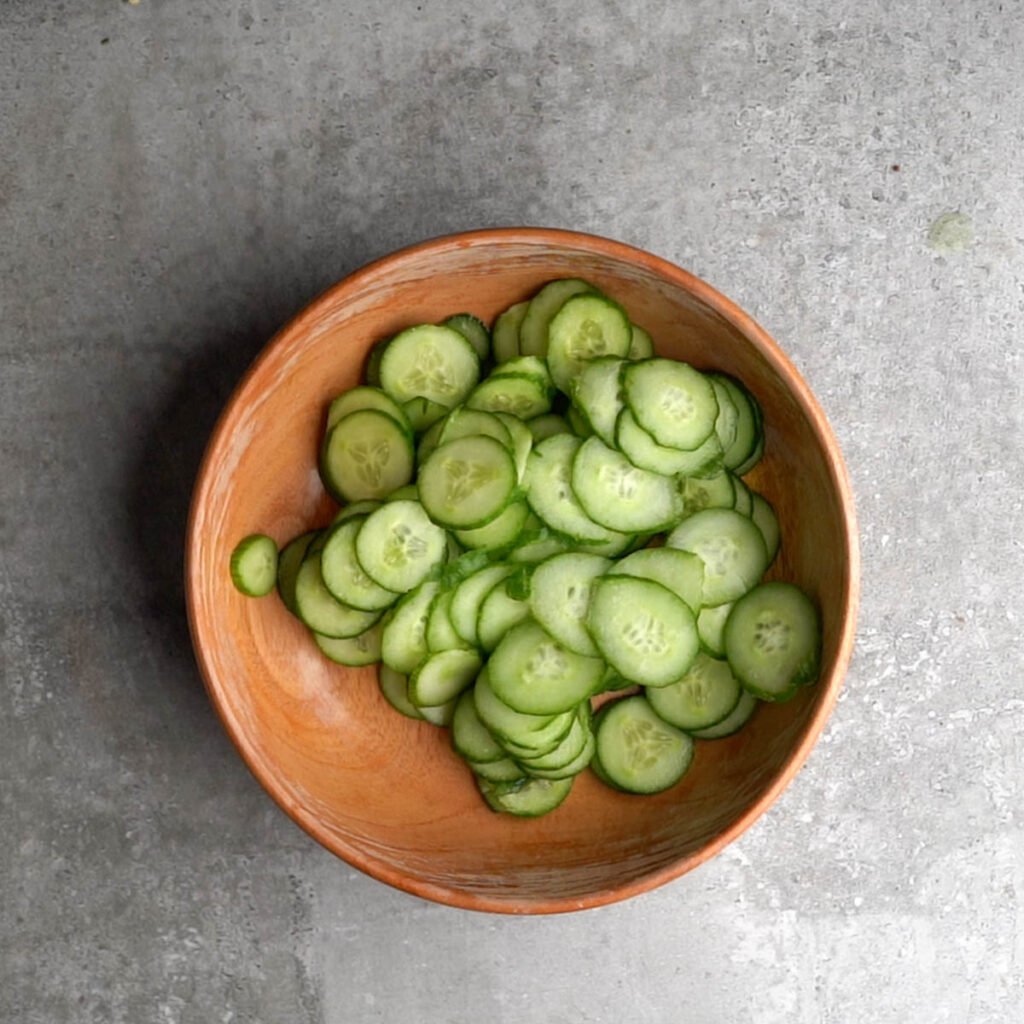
<point x="385" y="793"/>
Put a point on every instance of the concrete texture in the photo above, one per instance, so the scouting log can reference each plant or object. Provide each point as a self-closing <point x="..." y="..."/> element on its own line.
<point x="176" y="179"/>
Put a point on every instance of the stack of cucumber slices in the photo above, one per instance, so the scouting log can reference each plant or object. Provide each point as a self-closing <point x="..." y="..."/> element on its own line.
<point x="538" y="515"/>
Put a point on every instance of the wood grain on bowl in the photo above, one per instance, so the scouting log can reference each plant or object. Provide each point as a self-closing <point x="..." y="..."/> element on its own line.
<point x="384" y="792"/>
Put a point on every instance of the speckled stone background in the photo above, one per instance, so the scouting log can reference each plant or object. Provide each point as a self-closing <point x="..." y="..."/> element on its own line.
<point x="177" y="178"/>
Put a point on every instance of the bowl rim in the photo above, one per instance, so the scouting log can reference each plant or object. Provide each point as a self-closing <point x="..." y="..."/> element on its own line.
<point x="595" y="245"/>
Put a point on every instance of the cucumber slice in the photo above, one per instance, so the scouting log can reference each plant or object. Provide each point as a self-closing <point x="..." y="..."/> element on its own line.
<point x="597" y="393"/>
<point x="376" y="353"/>
<point x="586" y="327"/>
<point x="614" y="493"/>
<point x="755" y="458"/>
<point x="574" y="767"/>
<point x="364" y="397"/>
<point x="678" y="571"/>
<point x="354" y="651"/>
<point x="441" y="634"/>
<point x="747" y="429"/>
<point x="728" y="416"/>
<point x="534" y="674"/>
<point x="520" y="394"/>
<point x="404" y="639"/>
<point x="440" y="715"/>
<point x="672" y="401"/>
<point x="500" y="533"/>
<point x="644" y="631"/>
<point x="525" y="799"/>
<point x="543" y="427"/>
<point x="422" y="413"/>
<point x="744" y="501"/>
<point x="358" y="508"/>
<point x="522" y="441"/>
<point x="549" y="491"/>
<point x="710" y="492"/>
<point x="642" y="450"/>
<point x="773" y="640"/>
<point x="533" y="332"/>
<point x="570" y="747"/>
<point x="442" y="677"/>
<point x="641" y="345"/>
<point x="764" y="518"/>
<point x="429" y="361"/>
<point x="466" y="483"/>
<point x="366" y="455"/>
<point x="739" y="717"/>
<point x="466" y="422"/>
<point x="473" y="330"/>
<point x="505" y="770"/>
<point x="560" y="597"/>
<point x="343" y="575"/>
<point x="288" y="565"/>
<point x="408" y="492"/>
<point x="254" y="565"/>
<point x="537" y="543"/>
<point x="398" y="545"/>
<point x="502" y="608"/>
<point x="532" y="733"/>
<point x="527" y="366"/>
<point x="394" y="687"/>
<point x="711" y="628"/>
<point x="470" y="737"/>
<point x="469" y="596"/>
<point x="319" y="610"/>
<point x="429" y="441"/>
<point x="706" y="695"/>
<point x="505" y="333"/>
<point x="636" y="750"/>
<point x="731" y="548"/>
<point x="578" y="422"/>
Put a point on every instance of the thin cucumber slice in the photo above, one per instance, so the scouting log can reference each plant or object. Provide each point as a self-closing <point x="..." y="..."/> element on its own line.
<point x="744" y="501"/>
<point x="534" y="674"/>
<point x="773" y="640"/>
<point x="711" y="492"/>
<point x="254" y="565"/>
<point x="442" y="677"/>
<point x="466" y="422"/>
<point x="460" y="565"/>
<point x="549" y="491"/>
<point x="560" y="597"/>
<point x="354" y="651"/>
<point x="764" y="518"/>
<point x="404" y="640"/>
<point x="644" y="631"/>
<point x="739" y="717"/>
<point x="641" y="345"/>
<point x="614" y="493"/>
<point x="731" y="548"/>
<point x="394" y="686"/>
<point x="574" y="767"/>
<point x="473" y="330"/>
<point x="422" y="413"/>
<point x="747" y="430"/>
<point x="441" y="715"/>
<point x="343" y="575"/>
<point x="408" y="492"/>
<point x="570" y="747"/>
<point x="637" y="751"/>
<point x="505" y="332"/>
<point x="520" y="394"/>
<point x="578" y="422"/>
<point x="288" y="564"/>
<point x="466" y="483"/>
<point x="642" y="450"/>
<point x="706" y="695"/>
<point x="470" y="737"/>
<point x="728" y="417"/>
<point x="441" y="634"/>
<point x="755" y="457"/>
<point x="535" y="544"/>
<point x="318" y="608"/>
<point x="533" y="733"/>
<point x="522" y="441"/>
<point x="358" y="508"/>
<point x="678" y="571"/>
<point x="525" y="799"/>
<point x="429" y="361"/>
<point x="398" y="545"/>
<point x="505" y="770"/>
<point x="711" y="628"/>
<point x="366" y="455"/>
<point x="616" y="545"/>
<point x="586" y="327"/>
<point x="429" y="441"/>
<point x="500" y="533"/>
<point x="597" y="394"/>
<point x="372" y="372"/>
<point x="469" y="596"/>
<point x="364" y="397"/>
<point x="499" y="612"/>
<point x="543" y="427"/>
<point x="533" y="332"/>
<point x="672" y="401"/>
<point x="528" y="366"/>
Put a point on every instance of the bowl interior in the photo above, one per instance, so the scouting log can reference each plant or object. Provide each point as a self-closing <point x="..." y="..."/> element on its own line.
<point x="385" y="792"/>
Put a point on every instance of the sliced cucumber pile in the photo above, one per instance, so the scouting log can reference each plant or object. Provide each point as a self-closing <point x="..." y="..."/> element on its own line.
<point x="537" y="515"/>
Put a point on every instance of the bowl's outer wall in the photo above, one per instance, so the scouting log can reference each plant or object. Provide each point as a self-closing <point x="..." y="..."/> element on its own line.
<point x="386" y="793"/>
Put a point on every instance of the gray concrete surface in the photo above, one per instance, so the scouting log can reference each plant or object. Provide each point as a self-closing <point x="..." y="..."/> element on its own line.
<point x="177" y="178"/>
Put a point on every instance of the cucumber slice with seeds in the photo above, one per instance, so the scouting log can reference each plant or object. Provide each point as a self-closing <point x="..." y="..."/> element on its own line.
<point x="644" y="631"/>
<point x="586" y="327"/>
<point x="344" y="576"/>
<point x="505" y="333"/>
<point x="398" y="545"/>
<point x="597" y="394"/>
<point x="467" y="482"/>
<point x="533" y="331"/>
<point x="773" y="640"/>
<point x="560" y="596"/>
<point x="672" y="401"/>
<point x="318" y="608"/>
<point x="254" y="565"/>
<point x="466" y="422"/>
<point x="366" y="455"/>
<point x="520" y="394"/>
<point x="442" y="677"/>
<point x="642" y="450"/>
<point x="710" y="492"/>
<point x="431" y="362"/>
<point x="355" y="651"/>
<point x="525" y="799"/>
<point x="704" y="696"/>
<point x="404" y="639"/>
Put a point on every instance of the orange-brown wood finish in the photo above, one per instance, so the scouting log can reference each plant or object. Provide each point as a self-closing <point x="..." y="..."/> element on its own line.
<point x="385" y="793"/>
